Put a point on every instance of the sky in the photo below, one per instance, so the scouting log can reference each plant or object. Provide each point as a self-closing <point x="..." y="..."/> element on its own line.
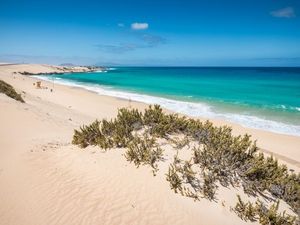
<point x="151" y="32"/>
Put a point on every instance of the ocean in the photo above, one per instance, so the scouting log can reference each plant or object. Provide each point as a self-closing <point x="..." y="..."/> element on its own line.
<point x="264" y="98"/>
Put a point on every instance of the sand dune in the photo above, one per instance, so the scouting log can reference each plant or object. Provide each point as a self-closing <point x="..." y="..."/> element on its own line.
<point x="46" y="180"/>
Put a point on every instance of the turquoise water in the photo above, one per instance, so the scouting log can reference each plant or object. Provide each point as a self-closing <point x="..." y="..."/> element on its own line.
<point x="264" y="98"/>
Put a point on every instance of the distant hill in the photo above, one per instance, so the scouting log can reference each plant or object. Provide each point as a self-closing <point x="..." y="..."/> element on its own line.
<point x="67" y="64"/>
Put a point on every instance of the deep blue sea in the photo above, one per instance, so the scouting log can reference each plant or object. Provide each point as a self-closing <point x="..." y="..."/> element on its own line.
<point x="262" y="98"/>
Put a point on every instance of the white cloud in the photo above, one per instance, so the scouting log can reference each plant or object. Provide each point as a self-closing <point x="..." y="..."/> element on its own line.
<point x="287" y="12"/>
<point x="139" y="26"/>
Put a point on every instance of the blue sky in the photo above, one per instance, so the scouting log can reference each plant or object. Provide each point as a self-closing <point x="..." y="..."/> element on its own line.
<point x="152" y="33"/>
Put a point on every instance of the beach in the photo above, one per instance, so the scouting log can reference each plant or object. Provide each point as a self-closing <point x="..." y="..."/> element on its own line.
<point x="44" y="179"/>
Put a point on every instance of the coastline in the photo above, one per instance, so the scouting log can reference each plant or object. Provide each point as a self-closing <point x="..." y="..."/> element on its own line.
<point x="44" y="69"/>
<point x="274" y="117"/>
<point x="44" y="179"/>
<point x="270" y="142"/>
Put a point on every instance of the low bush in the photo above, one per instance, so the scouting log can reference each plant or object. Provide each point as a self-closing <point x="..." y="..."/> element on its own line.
<point x="219" y="156"/>
<point x="8" y="90"/>
<point x="142" y="151"/>
<point x="174" y="179"/>
<point x="259" y="212"/>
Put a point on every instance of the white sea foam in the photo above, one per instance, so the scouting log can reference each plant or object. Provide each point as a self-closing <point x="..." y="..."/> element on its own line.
<point x="283" y="106"/>
<point x="188" y="108"/>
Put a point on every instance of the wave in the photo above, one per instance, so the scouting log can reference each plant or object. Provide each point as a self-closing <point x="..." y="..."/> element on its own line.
<point x="104" y="70"/>
<point x="287" y="108"/>
<point x="187" y="108"/>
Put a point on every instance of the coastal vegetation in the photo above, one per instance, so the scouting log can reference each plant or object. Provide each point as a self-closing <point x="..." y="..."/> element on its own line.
<point x="144" y="151"/>
<point x="215" y="158"/>
<point x="259" y="212"/>
<point x="9" y="90"/>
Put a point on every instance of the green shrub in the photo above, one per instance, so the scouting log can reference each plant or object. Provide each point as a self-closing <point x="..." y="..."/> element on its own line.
<point x="265" y="216"/>
<point x="209" y="187"/>
<point x="246" y="211"/>
<point x="188" y="173"/>
<point x="131" y="119"/>
<point x="8" y="90"/>
<point x="153" y="115"/>
<point x="87" y="135"/>
<point x="174" y="179"/>
<point x="225" y="158"/>
<point x="142" y="151"/>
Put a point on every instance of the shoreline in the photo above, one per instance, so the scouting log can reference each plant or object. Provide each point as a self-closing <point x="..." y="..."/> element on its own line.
<point x="188" y="108"/>
<point x="295" y="164"/>
<point x="269" y="142"/>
